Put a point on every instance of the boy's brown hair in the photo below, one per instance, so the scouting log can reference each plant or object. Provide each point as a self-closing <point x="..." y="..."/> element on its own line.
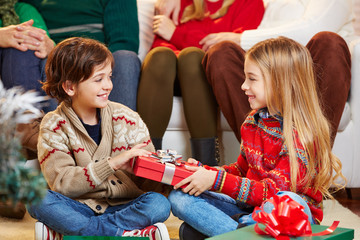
<point x="73" y="59"/>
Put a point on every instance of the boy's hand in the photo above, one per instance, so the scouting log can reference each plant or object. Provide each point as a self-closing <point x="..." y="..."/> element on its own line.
<point x="200" y="181"/>
<point x="122" y="161"/>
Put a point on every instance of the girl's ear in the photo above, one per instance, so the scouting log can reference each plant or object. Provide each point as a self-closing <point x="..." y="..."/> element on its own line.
<point x="69" y="88"/>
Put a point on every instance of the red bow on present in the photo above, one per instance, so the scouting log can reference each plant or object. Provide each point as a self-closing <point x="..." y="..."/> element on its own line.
<point x="286" y="219"/>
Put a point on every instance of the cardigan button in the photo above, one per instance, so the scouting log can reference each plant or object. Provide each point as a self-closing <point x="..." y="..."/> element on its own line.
<point x="113" y="182"/>
<point x="120" y="182"/>
<point x="96" y="160"/>
<point x="98" y="207"/>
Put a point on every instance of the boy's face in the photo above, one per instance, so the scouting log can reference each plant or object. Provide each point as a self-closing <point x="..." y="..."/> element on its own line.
<point x="254" y="85"/>
<point x="93" y="93"/>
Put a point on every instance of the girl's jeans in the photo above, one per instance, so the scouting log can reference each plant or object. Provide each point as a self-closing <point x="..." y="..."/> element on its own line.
<point x="210" y="213"/>
<point x="70" y="217"/>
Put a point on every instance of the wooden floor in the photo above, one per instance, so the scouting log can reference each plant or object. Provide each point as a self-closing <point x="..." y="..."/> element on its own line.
<point x="354" y="203"/>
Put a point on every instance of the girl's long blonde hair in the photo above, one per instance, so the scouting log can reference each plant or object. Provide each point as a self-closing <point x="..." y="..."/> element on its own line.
<point x="197" y="11"/>
<point x="291" y="92"/>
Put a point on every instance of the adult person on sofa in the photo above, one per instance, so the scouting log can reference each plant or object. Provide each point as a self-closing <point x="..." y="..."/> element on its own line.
<point x="174" y="65"/>
<point x="114" y="23"/>
<point x="313" y="23"/>
<point x="23" y="45"/>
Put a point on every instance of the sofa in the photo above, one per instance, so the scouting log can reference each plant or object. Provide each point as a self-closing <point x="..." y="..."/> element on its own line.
<point x="347" y="142"/>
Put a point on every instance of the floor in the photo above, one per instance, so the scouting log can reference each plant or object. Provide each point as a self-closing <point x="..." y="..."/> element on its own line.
<point x="354" y="203"/>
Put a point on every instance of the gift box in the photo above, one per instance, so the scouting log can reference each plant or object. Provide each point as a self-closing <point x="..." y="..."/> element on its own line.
<point x="249" y="233"/>
<point x="163" y="166"/>
<point x="102" y="238"/>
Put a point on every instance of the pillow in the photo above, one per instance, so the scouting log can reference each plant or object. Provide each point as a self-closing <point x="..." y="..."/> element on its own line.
<point x="145" y="16"/>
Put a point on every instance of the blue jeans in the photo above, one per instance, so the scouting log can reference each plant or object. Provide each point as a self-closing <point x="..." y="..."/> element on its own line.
<point x="210" y="213"/>
<point x="24" y="69"/>
<point x="70" y="217"/>
<point x="126" y="75"/>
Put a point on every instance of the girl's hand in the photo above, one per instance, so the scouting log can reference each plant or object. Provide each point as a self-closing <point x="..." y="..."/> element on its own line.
<point x="214" y="38"/>
<point x="200" y="181"/>
<point x="163" y="26"/>
<point x="122" y="161"/>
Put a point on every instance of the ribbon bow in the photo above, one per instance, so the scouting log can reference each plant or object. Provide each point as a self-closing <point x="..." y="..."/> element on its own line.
<point x="167" y="156"/>
<point x="286" y="219"/>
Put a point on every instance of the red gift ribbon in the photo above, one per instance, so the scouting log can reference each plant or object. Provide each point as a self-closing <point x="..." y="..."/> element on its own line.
<point x="286" y="219"/>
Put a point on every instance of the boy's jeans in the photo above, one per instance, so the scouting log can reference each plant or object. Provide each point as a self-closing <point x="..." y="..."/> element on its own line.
<point x="70" y="217"/>
<point x="210" y="213"/>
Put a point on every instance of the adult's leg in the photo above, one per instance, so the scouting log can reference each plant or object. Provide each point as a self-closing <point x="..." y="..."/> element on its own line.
<point x="209" y="213"/>
<point x="24" y="69"/>
<point x="125" y="78"/>
<point x="200" y="105"/>
<point x="224" y="69"/>
<point x="60" y="213"/>
<point x="156" y="91"/>
<point x="332" y="61"/>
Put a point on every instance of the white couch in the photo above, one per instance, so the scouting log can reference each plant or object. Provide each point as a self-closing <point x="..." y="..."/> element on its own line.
<point x="347" y="142"/>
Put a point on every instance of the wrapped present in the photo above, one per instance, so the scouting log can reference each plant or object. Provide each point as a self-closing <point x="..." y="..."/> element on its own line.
<point x="248" y="232"/>
<point x="164" y="166"/>
<point x="287" y="220"/>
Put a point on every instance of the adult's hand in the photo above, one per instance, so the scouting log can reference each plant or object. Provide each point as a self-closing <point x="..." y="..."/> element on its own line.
<point x="214" y="38"/>
<point x="42" y="47"/>
<point x="169" y="8"/>
<point x="163" y="26"/>
<point x="12" y="36"/>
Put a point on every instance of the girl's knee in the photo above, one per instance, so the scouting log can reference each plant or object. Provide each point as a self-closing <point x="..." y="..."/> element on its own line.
<point x="179" y="201"/>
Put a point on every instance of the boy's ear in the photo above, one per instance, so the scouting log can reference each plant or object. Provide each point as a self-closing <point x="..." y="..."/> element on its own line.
<point x="69" y="88"/>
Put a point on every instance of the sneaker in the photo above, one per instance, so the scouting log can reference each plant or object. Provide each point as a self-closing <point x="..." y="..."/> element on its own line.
<point x="43" y="232"/>
<point x="158" y="231"/>
<point x="186" y="232"/>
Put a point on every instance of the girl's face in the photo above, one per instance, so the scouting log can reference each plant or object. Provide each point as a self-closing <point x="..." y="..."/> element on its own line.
<point x="92" y="93"/>
<point x="254" y="85"/>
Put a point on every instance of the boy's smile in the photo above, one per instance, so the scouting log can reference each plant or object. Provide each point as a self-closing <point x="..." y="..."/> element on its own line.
<point x="92" y="93"/>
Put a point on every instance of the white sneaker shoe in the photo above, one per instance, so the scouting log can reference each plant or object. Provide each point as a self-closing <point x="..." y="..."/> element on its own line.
<point x="43" y="232"/>
<point x="158" y="231"/>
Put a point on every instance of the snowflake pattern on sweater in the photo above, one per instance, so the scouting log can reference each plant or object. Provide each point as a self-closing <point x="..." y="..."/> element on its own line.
<point x="75" y="166"/>
<point x="263" y="168"/>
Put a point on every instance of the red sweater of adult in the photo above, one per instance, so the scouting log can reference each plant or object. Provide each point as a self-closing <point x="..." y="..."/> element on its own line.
<point x="242" y="15"/>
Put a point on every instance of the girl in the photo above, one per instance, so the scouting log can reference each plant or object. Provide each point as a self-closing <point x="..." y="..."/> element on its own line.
<point x="176" y="60"/>
<point x="285" y="146"/>
<point x="84" y="150"/>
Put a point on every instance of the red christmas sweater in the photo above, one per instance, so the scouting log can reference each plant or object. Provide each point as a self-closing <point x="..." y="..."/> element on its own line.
<point x="241" y="15"/>
<point x="263" y="168"/>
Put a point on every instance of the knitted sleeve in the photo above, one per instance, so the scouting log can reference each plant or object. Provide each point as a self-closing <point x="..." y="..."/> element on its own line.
<point x="121" y="25"/>
<point x="58" y="149"/>
<point x="130" y="129"/>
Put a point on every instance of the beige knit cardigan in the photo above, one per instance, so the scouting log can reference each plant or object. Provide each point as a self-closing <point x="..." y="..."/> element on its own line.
<point x="75" y="166"/>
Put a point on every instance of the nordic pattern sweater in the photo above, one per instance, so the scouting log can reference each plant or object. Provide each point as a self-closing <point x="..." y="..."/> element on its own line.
<point x="75" y="166"/>
<point x="263" y="167"/>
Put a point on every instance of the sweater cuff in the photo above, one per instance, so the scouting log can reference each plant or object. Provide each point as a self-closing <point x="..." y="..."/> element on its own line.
<point x="102" y="170"/>
<point x="219" y="180"/>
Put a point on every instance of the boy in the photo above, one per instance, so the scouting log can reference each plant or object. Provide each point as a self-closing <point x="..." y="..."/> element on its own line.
<point x="84" y="146"/>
